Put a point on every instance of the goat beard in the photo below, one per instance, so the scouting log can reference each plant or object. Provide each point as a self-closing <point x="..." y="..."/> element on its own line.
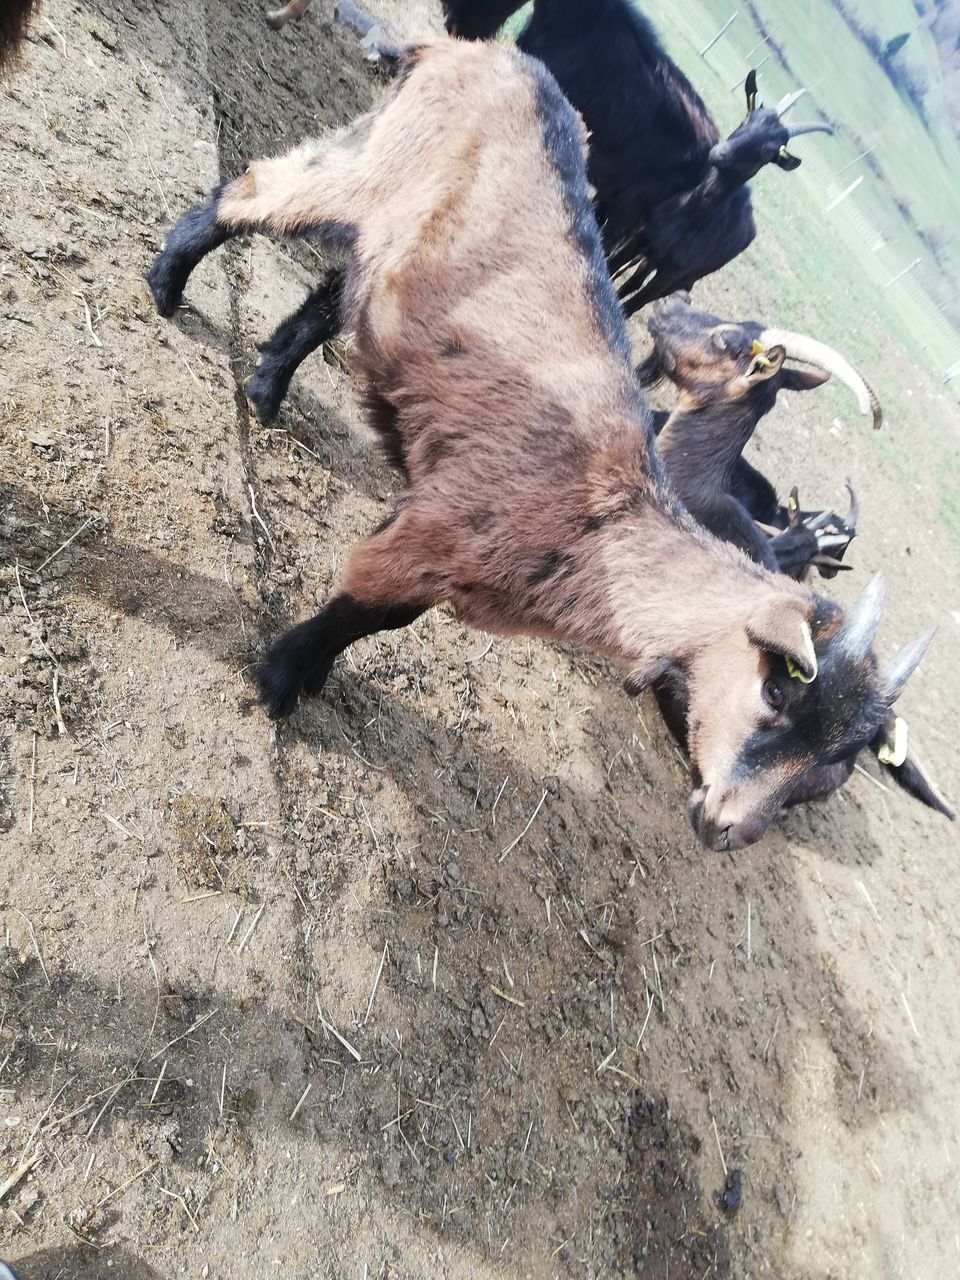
<point x="650" y="372"/>
<point x="15" y="17"/>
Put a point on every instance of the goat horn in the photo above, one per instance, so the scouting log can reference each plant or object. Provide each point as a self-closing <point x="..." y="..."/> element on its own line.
<point x="829" y="562"/>
<point x="863" y="620"/>
<point x="854" y="513"/>
<point x="799" y="346"/>
<point x="788" y="101"/>
<point x="900" y="668"/>
<point x="833" y="541"/>
<point x="818" y="520"/>
<point x="821" y="126"/>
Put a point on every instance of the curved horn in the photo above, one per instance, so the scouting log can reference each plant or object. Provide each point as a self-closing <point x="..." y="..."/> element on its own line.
<point x="854" y="512"/>
<point x="796" y="130"/>
<point x="788" y="101"/>
<point x="901" y="667"/>
<point x="799" y="346"/>
<point x="863" y="620"/>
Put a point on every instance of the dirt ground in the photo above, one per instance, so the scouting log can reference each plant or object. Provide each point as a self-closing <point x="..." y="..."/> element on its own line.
<point x="432" y="981"/>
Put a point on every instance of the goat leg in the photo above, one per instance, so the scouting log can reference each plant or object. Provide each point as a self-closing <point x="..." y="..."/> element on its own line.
<point x="384" y="586"/>
<point x="301" y="659"/>
<point x="194" y="236"/>
<point x="310" y="189"/>
<point x="316" y="322"/>
<point x="292" y="12"/>
<point x="729" y="520"/>
<point x="794" y="549"/>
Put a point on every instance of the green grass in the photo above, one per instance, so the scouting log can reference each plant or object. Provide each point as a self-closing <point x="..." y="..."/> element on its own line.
<point x="834" y="254"/>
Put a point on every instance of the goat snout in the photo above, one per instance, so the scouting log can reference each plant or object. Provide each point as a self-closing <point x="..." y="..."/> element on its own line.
<point x="716" y="831"/>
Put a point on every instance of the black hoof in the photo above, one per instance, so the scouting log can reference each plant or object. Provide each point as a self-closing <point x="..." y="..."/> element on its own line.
<point x="165" y="286"/>
<point x="266" y="389"/>
<point x="279" y="688"/>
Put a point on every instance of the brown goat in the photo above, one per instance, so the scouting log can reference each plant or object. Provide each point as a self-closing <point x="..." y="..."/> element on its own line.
<point x="498" y="372"/>
<point x="15" y="17"/>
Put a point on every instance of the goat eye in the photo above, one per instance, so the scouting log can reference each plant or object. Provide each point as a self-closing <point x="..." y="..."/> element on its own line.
<point x="773" y="694"/>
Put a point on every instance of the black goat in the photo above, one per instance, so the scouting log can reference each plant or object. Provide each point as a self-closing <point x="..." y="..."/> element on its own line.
<point x="729" y="375"/>
<point x="672" y="198"/>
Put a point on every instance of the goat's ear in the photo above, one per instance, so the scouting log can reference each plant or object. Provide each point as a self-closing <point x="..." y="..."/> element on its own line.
<point x="804" y="379"/>
<point x="782" y="626"/>
<point x="766" y="363"/>
<point x="890" y="746"/>
<point x="786" y="160"/>
<point x="643" y="677"/>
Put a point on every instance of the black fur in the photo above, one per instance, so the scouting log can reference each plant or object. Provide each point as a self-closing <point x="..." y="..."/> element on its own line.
<point x="317" y="321"/>
<point x="190" y="240"/>
<point x="562" y="144"/>
<point x="555" y="564"/>
<point x="301" y="659"/>
<point x="672" y="199"/>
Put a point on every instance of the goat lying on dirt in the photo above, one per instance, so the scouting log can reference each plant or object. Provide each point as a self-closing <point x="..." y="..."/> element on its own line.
<point x="498" y="373"/>
<point x="672" y="198"/>
<point x="729" y="375"/>
<point x="14" y="19"/>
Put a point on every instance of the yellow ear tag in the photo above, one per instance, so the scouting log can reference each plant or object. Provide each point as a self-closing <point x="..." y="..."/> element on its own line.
<point x="759" y="355"/>
<point x="896" y="754"/>
<point x="792" y="503"/>
<point x="794" y="671"/>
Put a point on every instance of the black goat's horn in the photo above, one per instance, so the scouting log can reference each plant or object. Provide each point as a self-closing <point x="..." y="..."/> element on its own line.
<point x="800" y="346"/>
<point x="796" y="130"/>
<point x="901" y="667"/>
<point x="750" y="85"/>
<point x="788" y="101"/>
<point x="854" y="513"/>
<point x="863" y="620"/>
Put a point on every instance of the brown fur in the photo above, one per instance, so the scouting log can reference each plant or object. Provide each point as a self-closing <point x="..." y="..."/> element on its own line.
<point x="293" y="11"/>
<point x="15" y="17"/>
<point x="498" y="372"/>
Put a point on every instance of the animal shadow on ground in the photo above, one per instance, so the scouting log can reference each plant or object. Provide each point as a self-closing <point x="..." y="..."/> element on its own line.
<point x="477" y="1106"/>
<point x="75" y="1262"/>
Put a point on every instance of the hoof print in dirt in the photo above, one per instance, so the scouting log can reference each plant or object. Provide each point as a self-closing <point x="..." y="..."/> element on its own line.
<point x="730" y="1198"/>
